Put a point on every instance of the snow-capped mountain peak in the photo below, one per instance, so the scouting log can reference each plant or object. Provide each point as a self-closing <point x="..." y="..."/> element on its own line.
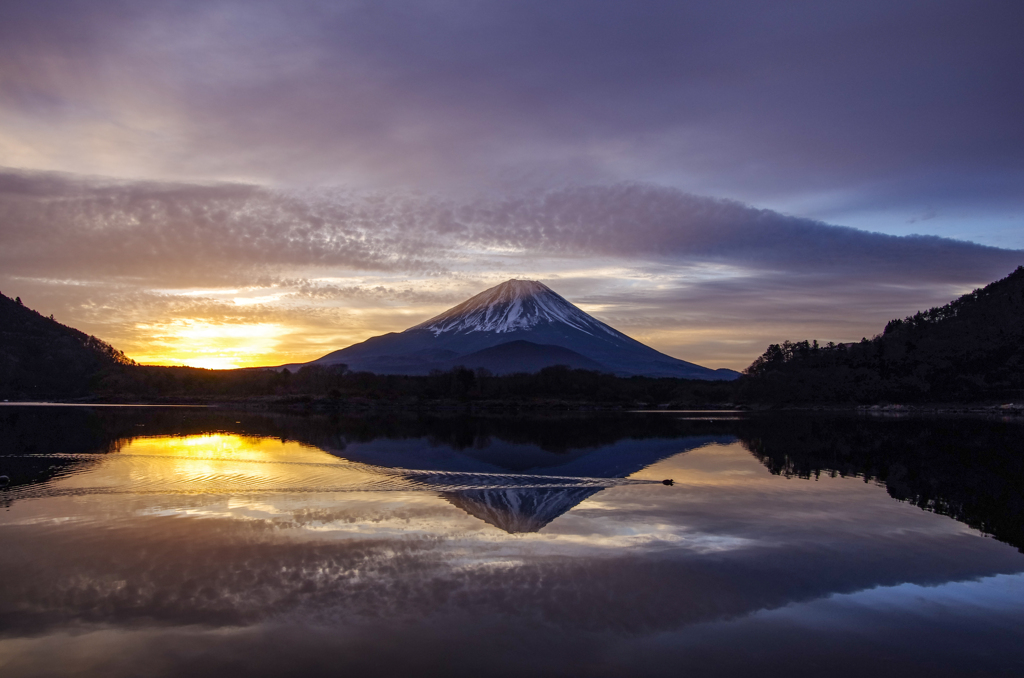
<point x="512" y="305"/>
<point x="517" y="326"/>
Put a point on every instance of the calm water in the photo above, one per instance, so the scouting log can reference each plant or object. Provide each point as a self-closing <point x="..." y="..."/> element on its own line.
<point x="160" y="542"/>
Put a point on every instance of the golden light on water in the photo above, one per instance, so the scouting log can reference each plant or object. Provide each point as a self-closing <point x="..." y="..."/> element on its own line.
<point x="225" y="447"/>
<point x="216" y="463"/>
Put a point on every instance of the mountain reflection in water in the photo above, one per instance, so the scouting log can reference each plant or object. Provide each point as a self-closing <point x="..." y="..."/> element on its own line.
<point x="518" y="510"/>
<point x="520" y="488"/>
<point x="162" y="543"/>
<point x="225" y="464"/>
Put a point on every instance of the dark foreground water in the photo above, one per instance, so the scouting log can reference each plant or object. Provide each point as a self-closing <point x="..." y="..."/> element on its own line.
<point x="167" y="542"/>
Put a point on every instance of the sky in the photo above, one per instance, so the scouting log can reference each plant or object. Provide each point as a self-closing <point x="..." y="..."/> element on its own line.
<point x="227" y="184"/>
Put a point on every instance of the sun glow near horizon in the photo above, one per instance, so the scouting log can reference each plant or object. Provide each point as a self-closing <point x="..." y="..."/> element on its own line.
<point x="212" y="345"/>
<point x="209" y="344"/>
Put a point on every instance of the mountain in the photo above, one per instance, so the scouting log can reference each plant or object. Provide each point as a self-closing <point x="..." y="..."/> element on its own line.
<point x="517" y="511"/>
<point x="543" y="328"/>
<point x="495" y="467"/>
<point x="39" y="357"/>
<point x="971" y="349"/>
<point x="524" y="356"/>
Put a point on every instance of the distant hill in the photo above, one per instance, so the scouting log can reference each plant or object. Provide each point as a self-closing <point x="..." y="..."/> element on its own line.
<point x="520" y="311"/>
<point x="968" y="350"/>
<point x="40" y="358"/>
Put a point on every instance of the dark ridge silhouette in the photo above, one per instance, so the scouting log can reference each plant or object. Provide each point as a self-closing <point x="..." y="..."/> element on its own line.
<point x="971" y="349"/>
<point x="40" y="358"/>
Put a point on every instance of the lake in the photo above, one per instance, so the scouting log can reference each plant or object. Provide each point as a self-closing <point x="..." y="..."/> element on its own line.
<point x="200" y="542"/>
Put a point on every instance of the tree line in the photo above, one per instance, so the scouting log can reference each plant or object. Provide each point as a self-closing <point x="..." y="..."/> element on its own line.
<point x="971" y="349"/>
<point x="458" y="384"/>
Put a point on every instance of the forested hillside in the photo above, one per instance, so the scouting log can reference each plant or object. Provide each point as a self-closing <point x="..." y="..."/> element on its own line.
<point x="968" y="350"/>
<point x="40" y="358"/>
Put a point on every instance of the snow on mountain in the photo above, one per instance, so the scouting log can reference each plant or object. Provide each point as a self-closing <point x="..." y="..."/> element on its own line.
<point x="519" y="510"/>
<point x="522" y="311"/>
<point x="510" y="306"/>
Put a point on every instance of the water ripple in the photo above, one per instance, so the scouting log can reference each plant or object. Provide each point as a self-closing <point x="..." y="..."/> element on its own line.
<point x="167" y="474"/>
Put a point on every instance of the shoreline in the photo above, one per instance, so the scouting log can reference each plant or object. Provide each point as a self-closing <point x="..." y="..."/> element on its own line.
<point x="327" y="405"/>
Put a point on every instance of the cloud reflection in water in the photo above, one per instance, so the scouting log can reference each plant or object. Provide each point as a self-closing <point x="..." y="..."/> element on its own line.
<point x="336" y="580"/>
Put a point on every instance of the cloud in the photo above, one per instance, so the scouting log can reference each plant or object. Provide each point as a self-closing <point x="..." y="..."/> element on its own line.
<point x="218" y="572"/>
<point x="647" y="221"/>
<point x="177" y="232"/>
<point x="705" y="279"/>
<point x="859" y="106"/>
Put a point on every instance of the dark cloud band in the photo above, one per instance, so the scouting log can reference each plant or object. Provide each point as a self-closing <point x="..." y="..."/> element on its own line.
<point x="897" y="105"/>
<point x="60" y="226"/>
